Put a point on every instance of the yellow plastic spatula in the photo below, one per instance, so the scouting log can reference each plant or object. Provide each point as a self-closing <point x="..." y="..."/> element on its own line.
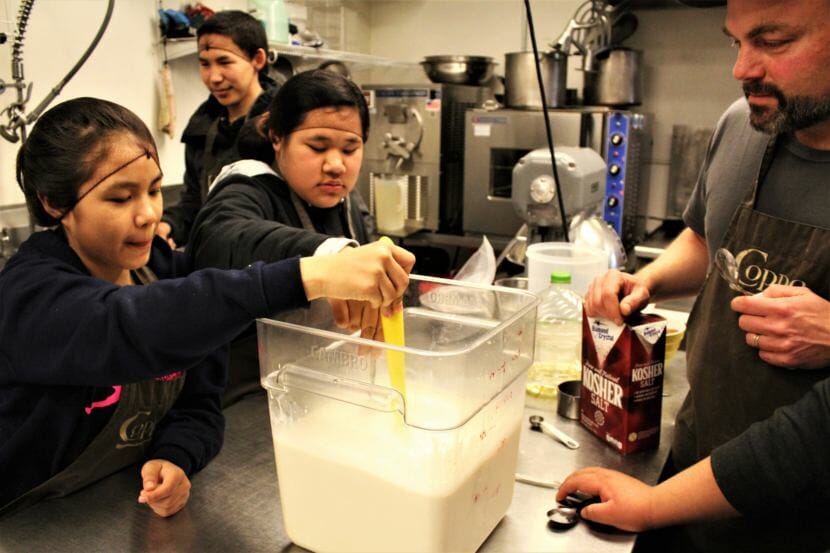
<point x="393" y="333"/>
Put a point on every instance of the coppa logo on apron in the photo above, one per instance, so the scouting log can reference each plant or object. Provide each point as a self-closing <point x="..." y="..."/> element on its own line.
<point x="136" y="430"/>
<point x="754" y="275"/>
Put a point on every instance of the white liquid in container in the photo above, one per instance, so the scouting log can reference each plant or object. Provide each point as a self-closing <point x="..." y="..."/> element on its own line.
<point x="390" y="487"/>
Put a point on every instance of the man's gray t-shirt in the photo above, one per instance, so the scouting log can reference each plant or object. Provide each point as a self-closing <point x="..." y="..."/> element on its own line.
<point x="797" y="187"/>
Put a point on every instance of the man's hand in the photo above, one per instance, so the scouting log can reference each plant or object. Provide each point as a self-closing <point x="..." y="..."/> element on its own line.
<point x="789" y="325"/>
<point x="165" y="487"/>
<point x="615" y="295"/>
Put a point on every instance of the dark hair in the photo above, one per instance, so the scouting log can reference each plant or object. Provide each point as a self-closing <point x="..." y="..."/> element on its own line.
<point x="251" y="142"/>
<point x="304" y="92"/>
<point x="242" y="28"/>
<point x="310" y="90"/>
<point x="64" y="147"/>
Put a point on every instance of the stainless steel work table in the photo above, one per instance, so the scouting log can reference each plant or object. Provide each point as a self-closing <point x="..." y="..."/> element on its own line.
<point x="235" y="506"/>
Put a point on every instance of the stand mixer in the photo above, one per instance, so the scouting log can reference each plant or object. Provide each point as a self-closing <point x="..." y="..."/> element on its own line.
<point x="582" y="174"/>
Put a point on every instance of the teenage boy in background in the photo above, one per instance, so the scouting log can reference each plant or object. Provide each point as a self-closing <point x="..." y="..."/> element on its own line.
<point x="232" y="61"/>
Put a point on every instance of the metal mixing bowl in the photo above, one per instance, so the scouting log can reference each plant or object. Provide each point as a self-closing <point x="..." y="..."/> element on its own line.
<point x="469" y="70"/>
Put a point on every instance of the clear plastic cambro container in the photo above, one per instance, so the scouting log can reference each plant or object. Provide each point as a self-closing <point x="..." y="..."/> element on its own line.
<point x="364" y="467"/>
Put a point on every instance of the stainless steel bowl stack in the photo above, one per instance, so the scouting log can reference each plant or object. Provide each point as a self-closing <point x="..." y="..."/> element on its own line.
<point x="468" y="70"/>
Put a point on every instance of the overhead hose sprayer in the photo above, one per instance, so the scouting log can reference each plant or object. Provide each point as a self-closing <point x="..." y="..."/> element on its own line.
<point x="15" y="128"/>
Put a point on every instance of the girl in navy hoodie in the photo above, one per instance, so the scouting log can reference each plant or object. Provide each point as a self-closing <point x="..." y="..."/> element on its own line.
<point x="112" y="351"/>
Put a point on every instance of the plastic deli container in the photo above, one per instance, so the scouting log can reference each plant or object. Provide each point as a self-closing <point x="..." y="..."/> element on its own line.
<point x="582" y="262"/>
<point x="366" y="466"/>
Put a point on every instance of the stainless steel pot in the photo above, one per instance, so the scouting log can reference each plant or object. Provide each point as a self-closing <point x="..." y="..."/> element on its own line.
<point x="521" y="87"/>
<point x="617" y="80"/>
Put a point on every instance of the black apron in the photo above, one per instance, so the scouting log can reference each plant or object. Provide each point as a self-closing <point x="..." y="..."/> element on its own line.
<point x="305" y="220"/>
<point x="122" y="442"/>
<point x="730" y="385"/>
<point x="211" y="165"/>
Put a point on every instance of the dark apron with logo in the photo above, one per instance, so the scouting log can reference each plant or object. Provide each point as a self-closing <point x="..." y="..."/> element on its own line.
<point x="122" y="442"/>
<point x="730" y="385"/>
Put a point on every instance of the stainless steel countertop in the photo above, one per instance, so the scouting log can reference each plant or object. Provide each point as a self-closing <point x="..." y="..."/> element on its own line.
<point x="235" y="505"/>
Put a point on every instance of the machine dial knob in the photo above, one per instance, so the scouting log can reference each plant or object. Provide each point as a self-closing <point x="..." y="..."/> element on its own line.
<point x="613" y="201"/>
<point x="614" y="169"/>
<point x="542" y="189"/>
<point x="616" y="139"/>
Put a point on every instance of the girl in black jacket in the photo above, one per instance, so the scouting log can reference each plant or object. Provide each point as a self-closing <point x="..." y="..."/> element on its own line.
<point x="297" y="197"/>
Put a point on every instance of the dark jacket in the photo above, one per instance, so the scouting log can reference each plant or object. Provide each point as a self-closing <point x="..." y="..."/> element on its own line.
<point x="251" y="217"/>
<point x="201" y="167"/>
<point x="66" y="338"/>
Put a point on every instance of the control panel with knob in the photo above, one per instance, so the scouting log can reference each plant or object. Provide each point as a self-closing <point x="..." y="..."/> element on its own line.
<point x="619" y="186"/>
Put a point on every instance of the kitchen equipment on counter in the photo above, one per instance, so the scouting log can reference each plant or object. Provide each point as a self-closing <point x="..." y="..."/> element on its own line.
<point x="538" y="424"/>
<point x="616" y="79"/>
<point x="418" y="134"/>
<point x="521" y="87"/>
<point x="433" y="472"/>
<point x="581" y="172"/>
<point x="465" y="70"/>
<point x="568" y="403"/>
<point x="496" y="140"/>
<point x="590" y="230"/>
<point x="515" y="249"/>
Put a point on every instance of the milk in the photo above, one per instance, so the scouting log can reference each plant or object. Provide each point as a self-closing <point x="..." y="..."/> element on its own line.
<point x="354" y="479"/>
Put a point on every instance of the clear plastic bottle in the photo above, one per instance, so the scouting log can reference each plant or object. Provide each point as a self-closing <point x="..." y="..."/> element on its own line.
<point x="558" y="354"/>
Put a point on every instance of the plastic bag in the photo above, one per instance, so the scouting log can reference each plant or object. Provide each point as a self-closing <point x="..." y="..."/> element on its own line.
<point x="479" y="269"/>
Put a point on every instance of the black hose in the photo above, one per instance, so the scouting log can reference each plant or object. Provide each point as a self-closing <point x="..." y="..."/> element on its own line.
<point x="57" y="90"/>
<point x="547" y="121"/>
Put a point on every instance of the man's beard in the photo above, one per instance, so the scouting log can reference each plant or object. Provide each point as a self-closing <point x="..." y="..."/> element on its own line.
<point x="793" y="113"/>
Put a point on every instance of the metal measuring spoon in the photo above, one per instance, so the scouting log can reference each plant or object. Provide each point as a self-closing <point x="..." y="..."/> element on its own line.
<point x="538" y="424"/>
<point x="569" y="512"/>
<point x="728" y="269"/>
<point x="562" y="518"/>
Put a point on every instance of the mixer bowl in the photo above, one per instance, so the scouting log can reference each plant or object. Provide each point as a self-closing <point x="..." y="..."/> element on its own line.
<point x="468" y="70"/>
